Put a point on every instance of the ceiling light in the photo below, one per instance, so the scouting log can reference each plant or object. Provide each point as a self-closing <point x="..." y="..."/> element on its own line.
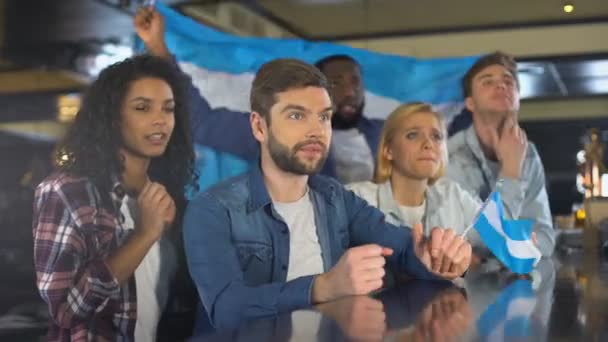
<point x="568" y="7"/>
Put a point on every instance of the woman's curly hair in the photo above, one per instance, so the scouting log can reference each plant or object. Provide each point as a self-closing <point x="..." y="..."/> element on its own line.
<point x="91" y="146"/>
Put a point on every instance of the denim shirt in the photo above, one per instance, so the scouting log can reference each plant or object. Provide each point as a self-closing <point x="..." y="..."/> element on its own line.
<point x="469" y="167"/>
<point x="237" y="246"/>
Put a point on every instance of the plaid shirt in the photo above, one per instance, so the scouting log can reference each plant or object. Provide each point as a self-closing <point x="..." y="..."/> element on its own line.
<point x="74" y="233"/>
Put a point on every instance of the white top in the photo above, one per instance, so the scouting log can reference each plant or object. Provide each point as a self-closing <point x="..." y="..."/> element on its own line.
<point x="352" y="156"/>
<point x="412" y="215"/>
<point x="304" y="248"/>
<point x="152" y="278"/>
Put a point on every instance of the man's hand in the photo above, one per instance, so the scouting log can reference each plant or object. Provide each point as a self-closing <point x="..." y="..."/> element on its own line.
<point x="510" y="148"/>
<point x="358" y="272"/>
<point x="359" y="317"/>
<point x="444" y="253"/>
<point x="150" y="27"/>
<point x="445" y="318"/>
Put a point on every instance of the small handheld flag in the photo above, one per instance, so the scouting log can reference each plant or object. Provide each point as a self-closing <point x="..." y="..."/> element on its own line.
<point x="509" y="240"/>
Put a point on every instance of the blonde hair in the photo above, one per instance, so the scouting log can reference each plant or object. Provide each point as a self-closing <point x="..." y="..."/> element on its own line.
<point x="384" y="167"/>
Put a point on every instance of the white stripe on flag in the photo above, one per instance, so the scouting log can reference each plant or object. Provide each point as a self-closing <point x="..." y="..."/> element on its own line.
<point x="517" y="249"/>
<point x="491" y="213"/>
<point x="222" y="89"/>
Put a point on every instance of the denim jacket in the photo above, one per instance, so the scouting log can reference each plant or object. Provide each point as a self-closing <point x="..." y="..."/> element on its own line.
<point x="237" y="245"/>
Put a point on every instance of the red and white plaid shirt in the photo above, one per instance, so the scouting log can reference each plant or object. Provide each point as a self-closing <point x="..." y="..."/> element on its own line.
<point x="74" y="233"/>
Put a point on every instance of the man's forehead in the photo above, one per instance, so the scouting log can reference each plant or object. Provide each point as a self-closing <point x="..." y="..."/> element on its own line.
<point x="494" y="69"/>
<point x="341" y="66"/>
<point x="306" y="97"/>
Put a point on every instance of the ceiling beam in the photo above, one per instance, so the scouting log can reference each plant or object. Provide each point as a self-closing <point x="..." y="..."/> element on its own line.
<point x="603" y="19"/>
<point x="39" y="80"/>
<point x="527" y="42"/>
<point x="569" y="109"/>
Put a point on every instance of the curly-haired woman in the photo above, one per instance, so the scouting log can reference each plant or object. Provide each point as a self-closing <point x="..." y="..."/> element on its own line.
<point x="103" y="224"/>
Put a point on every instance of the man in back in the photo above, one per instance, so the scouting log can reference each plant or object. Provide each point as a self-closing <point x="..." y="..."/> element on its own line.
<point x="355" y="137"/>
<point x="494" y="151"/>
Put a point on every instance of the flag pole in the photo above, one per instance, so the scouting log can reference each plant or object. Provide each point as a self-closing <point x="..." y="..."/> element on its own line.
<point x="466" y="230"/>
<point x="481" y="208"/>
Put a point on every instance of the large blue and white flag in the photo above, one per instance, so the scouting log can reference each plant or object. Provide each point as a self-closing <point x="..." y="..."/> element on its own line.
<point x="509" y="317"/>
<point x="223" y="66"/>
<point x="509" y="240"/>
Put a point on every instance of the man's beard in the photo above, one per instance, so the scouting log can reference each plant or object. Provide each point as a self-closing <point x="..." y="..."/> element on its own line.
<point x="496" y="117"/>
<point x="342" y="121"/>
<point x="498" y="120"/>
<point x="288" y="161"/>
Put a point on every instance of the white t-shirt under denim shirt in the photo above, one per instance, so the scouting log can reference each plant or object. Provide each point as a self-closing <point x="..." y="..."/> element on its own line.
<point x="304" y="258"/>
<point x="304" y="247"/>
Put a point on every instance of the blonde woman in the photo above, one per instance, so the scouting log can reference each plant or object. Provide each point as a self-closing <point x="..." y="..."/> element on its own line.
<point x="408" y="186"/>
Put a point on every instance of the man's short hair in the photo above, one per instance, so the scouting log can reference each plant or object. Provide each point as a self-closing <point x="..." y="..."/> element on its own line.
<point x="496" y="58"/>
<point x="322" y="63"/>
<point x="281" y="75"/>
